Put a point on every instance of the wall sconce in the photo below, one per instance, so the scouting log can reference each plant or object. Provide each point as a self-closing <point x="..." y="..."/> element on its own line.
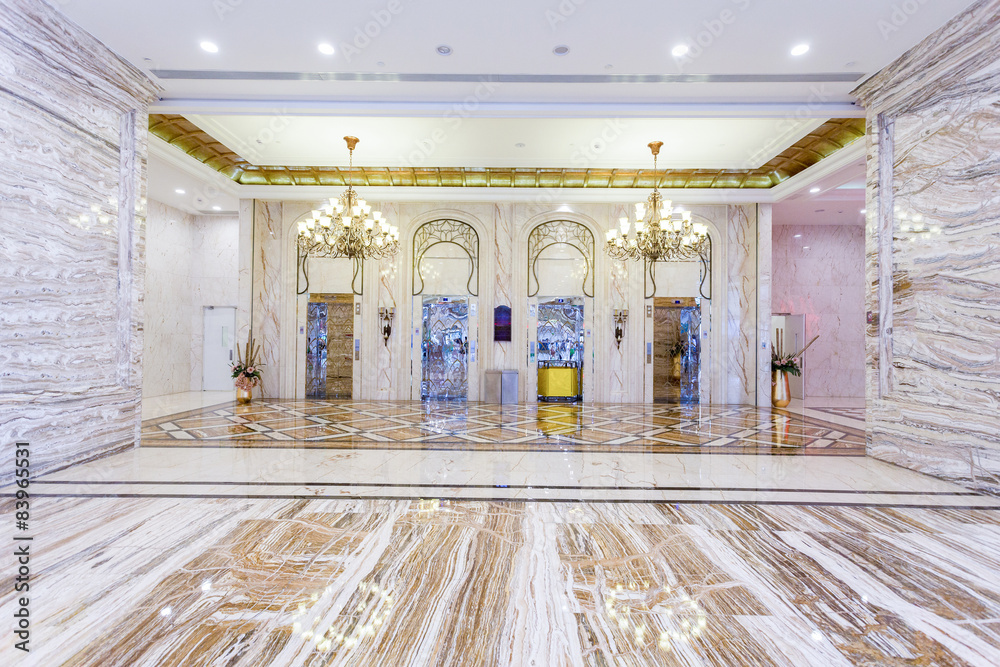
<point x="621" y="316"/>
<point x="385" y="315"/>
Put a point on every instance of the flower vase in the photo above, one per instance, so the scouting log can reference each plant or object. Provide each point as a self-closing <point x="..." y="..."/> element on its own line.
<point x="244" y="396"/>
<point x="781" y="395"/>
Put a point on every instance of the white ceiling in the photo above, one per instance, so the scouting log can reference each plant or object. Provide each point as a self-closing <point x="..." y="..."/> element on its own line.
<point x="706" y="143"/>
<point x="393" y="89"/>
<point x="515" y="37"/>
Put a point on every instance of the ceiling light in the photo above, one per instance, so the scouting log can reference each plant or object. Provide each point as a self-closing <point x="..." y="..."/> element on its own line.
<point x="864" y="210"/>
<point x="444" y="50"/>
<point x="800" y="49"/>
<point x="216" y="208"/>
<point x="211" y="47"/>
<point x="680" y="50"/>
<point x="561" y="50"/>
<point x="814" y="190"/>
<point x="326" y="49"/>
<point x="797" y="236"/>
<point x="347" y="226"/>
<point x="657" y="236"/>
<point x="179" y="191"/>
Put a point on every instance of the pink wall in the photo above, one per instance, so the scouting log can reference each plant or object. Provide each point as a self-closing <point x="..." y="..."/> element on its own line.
<point x="821" y="275"/>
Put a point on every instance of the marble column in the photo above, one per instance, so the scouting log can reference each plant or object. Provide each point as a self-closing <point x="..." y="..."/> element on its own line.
<point x="72" y="238"/>
<point x="933" y="253"/>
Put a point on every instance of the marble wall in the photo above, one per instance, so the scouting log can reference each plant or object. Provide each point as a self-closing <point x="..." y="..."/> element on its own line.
<point x="191" y="262"/>
<point x="738" y="373"/>
<point x="72" y="187"/>
<point x="819" y="272"/>
<point x="933" y="253"/>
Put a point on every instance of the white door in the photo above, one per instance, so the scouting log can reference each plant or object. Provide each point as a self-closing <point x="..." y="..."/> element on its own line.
<point x="218" y="348"/>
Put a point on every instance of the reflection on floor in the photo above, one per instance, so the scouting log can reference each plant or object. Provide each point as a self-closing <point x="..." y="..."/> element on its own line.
<point x="372" y="549"/>
<point x="604" y="428"/>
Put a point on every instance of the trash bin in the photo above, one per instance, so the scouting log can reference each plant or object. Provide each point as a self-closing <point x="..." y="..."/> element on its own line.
<point x="500" y="387"/>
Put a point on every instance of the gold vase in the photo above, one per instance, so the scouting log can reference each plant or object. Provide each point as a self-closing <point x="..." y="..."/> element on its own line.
<point x="244" y="396"/>
<point x="781" y="395"/>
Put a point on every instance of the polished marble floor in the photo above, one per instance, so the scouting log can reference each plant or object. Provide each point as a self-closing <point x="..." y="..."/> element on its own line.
<point x="617" y="535"/>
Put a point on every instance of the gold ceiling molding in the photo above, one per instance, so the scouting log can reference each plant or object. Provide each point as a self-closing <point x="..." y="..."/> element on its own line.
<point x="822" y="142"/>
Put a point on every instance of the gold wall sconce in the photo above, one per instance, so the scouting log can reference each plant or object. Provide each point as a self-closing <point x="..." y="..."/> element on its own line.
<point x="385" y="315"/>
<point x="620" y="316"/>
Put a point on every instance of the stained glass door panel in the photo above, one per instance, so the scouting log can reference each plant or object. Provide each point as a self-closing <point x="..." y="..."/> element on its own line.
<point x="445" y="349"/>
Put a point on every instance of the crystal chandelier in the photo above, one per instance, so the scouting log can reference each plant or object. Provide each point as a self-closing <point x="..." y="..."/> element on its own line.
<point x="656" y="236"/>
<point x="347" y="226"/>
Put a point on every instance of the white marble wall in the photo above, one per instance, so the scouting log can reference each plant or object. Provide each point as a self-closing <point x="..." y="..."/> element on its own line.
<point x="737" y="374"/>
<point x="72" y="187"/>
<point x="191" y="262"/>
<point x="933" y="253"/>
<point x="748" y="304"/>
<point x="819" y="272"/>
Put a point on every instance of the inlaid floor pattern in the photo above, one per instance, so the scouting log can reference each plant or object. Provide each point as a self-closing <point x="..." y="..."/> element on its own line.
<point x="617" y="428"/>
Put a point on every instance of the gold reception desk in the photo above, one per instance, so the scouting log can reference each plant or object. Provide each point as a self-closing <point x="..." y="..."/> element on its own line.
<point x="558" y="382"/>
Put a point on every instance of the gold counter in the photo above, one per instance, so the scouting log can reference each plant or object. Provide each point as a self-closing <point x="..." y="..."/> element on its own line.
<point x="558" y="382"/>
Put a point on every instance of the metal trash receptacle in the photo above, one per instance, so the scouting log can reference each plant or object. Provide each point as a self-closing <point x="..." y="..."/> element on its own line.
<point x="500" y="387"/>
<point x="508" y="386"/>
<point x="492" y="386"/>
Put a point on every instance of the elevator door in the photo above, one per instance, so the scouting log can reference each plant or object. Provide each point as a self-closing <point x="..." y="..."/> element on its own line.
<point x="676" y="350"/>
<point x="445" y="348"/>
<point x="329" y="351"/>
<point x="560" y="348"/>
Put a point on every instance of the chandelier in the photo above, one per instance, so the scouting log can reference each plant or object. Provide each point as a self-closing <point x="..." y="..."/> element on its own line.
<point x="656" y="236"/>
<point x="347" y="226"/>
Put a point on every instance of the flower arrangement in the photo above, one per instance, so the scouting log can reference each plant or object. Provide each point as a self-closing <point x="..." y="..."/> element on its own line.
<point x="789" y="363"/>
<point x="246" y="370"/>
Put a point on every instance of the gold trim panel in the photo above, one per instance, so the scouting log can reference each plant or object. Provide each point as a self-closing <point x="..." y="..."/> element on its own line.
<point x="822" y="142"/>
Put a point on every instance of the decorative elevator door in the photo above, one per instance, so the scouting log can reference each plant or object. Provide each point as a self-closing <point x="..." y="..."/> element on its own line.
<point x="676" y="350"/>
<point x="329" y="351"/>
<point x="445" y="348"/>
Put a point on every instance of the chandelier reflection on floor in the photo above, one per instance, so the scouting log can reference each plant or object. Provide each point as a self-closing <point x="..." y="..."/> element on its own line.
<point x="347" y="226"/>
<point x="656" y="236"/>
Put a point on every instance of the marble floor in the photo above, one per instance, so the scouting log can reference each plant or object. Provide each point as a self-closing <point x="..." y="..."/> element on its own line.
<point x="401" y="534"/>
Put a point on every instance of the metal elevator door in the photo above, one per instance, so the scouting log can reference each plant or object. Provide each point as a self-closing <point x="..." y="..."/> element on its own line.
<point x="330" y="346"/>
<point x="445" y="348"/>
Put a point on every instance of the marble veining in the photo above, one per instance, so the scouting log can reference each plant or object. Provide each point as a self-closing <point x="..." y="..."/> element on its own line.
<point x="741" y="316"/>
<point x="436" y="582"/>
<point x="933" y="253"/>
<point x="71" y="334"/>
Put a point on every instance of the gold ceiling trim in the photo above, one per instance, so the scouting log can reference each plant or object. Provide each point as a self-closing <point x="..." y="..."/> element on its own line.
<point x="822" y="142"/>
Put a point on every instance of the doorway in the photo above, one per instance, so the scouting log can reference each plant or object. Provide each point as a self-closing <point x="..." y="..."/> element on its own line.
<point x="218" y="333"/>
<point x="445" y="348"/>
<point x="676" y="350"/>
<point x="560" y="348"/>
<point x="329" y="346"/>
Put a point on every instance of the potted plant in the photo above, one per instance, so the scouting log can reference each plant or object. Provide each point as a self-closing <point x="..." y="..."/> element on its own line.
<point x="783" y="365"/>
<point x="246" y="371"/>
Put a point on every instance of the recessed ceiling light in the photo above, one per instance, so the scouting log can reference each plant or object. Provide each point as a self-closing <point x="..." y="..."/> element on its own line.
<point x="179" y="191"/>
<point x="444" y="50"/>
<point x="211" y="47"/>
<point x="216" y="208"/>
<point x="680" y="50"/>
<point x="326" y="49"/>
<point x="797" y="236"/>
<point x="800" y="49"/>
<point x="864" y="210"/>
<point x="561" y="50"/>
<point x="814" y="190"/>
<point x="805" y="247"/>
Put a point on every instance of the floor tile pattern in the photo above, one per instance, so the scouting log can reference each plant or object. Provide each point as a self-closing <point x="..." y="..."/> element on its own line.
<point x="608" y="428"/>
